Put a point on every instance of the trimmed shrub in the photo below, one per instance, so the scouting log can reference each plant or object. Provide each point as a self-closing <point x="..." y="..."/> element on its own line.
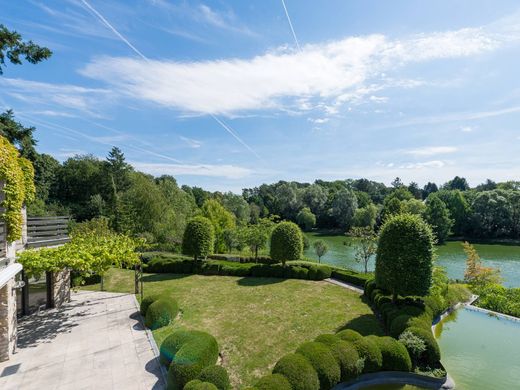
<point x="349" y="335"/>
<point x="216" y="375"/>
<point x="323" y="272"/>
<point x="395" y="355"/>
<point x="349" y="276"/>
<point x="313" y="273"/>
<point x="399" y="324"/>
<point x="369" y="351"/>
<point x="199" y="237"/>
<point x="323" y="361"/>
<point x="432" y="355"/>
<point x="298" y="371"/>
<point x="199" y="385"/>
<point x="344" y="353"/>
<point x="146" y="302"/>
<point x="286" y="242"/>
<point x="273" y="382"/>
<point x="161" y="312"/>
<point x="370" y="285"/>
<point x="297" y="272"/>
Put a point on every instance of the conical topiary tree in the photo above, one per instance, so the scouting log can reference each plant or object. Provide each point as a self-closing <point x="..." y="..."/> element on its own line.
<point x="198" y="238"/>
<point x="286" y="242"/>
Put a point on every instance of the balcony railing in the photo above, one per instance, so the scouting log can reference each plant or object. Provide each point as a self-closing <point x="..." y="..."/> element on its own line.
<point x="47" y="231"/>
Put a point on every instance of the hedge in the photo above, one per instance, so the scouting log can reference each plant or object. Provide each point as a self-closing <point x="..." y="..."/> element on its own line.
<point x="369" y="351"/>
<point x="399" y="324"/>
<point x="273" y="382"/>
<point x="344" y="353"/>
<point x="298" y="371"/>
<point x="187" y="353"/>
<point x="147" y="301"/>
<point x="196" y="384"/>
<point x="349" y="276"/>
<point x="161" y="312"/>
<point x="349" y="335"/>
<point x="216" y="375"/>
<point x="395" y="355"/>
<point x="323" y="361"/>
<point x="432" y="355"/>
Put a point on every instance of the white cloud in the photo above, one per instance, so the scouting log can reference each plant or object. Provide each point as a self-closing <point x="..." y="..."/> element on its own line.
<point x="320" y="76"/>
<point x="318" y="121"/>
<point x="227" y="171"/>
<point x="432" y="150"/>
<point x="192" y="143"/>
<point x="466" y="129"/>
<point x="426" y="164"/>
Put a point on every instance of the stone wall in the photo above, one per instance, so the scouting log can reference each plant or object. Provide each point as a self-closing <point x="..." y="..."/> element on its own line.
<point x="7" y="320"/>
<point x="60" y="288"/>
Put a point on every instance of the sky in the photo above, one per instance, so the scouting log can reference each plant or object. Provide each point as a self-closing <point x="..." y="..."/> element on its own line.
<point x="232" y="94"/>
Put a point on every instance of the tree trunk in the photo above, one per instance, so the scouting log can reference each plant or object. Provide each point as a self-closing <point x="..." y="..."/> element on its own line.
<point x="102" y="283"/>
<point x="394" y="297"/>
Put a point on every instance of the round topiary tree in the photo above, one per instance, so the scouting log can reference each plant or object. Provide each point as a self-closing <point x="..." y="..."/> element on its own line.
<point x="298" y="371"/>
<point x="216" y="375"/>
<point x="161" y="312"/>
<point x="273" y="381"/>
<point x="323" y="361"/>
<point x="147" y="301"/>
<point x="404" y="258"/>
<point x="286" y="242"/>
<point x="345" y="354"/>
<point x="196" y="384"/>
<point x="432" y="354"/>
<point x="395" y="355"/>
<point x="369" y="351"/>
<point x="349" y="335"/>
<point x="198" y="238"/>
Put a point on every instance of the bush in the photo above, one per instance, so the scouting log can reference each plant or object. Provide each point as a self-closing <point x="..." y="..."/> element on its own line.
<point x="399" y="324"/>
<point x="432" y="354"/>
<point x="352" y="277"/>
<point x="298" y="371"/>
<point x="216" y="375"/>
<point x="161" y="312"/>
<point x="370" y="285"/>
<point x="187" y="353"/>
<point x="323" y="361"/>
<point x="413" y="344"/>
<point x="345" y="354"/>
<point x="297" y="272"/>
<point x="286" y="242"/>
<point x="349" y="335"/>
<point x="273" y="382"/>
<point x="199" y="385"/>
<point x="199" y="237"/>
<point x="395" y="356"/>
<point x="404" y="260"/>
<point x="146" y="302"/>
<point x="369" y="351"/>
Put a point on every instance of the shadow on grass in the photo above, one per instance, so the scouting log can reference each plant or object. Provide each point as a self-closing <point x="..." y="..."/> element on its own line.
<point x="162" y="277"/>
<point x="254" y="281"/>
<point x="365" y="324"/>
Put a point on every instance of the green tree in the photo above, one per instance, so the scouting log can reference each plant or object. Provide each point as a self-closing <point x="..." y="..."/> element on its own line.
<point x="413" y="206"/>
<point x="429" y="188"/>
<point x="14" y="49"/>
<point x="459" y="209"/>
<point x="366" y="245"/>
<point x="221" y="220"/>
<point x="476" y="275"/>
<point x="438" y="216"/>
<point x="366" y="216"/>
<point x="344" y="205"/>
<point x="404" y="259"/>
<point x="286" y="242"/>
<point x="306" y="219"/>
<point x="198" y="240"/>
<point x="237" y="205"/>
<point x="256" y="236"/>
<point x="492" y="213"/>
<point x="20" y="136"/>
<point x="320" y="248"/>
<point x="457" y="183"/>
<point x="392" y="206"/>
<point x="315" y="197"/>
<point x="232" y="239"/>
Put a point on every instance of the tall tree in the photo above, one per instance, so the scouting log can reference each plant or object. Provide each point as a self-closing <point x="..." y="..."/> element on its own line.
<point x="221" y="220"/>
<point x="344" y="205"/>
<point x="429" y="188"/>
<point x="14" y="49"/>
<point x="457" y="183"/>
<point x="438" y="216"/>
<point x="366" y="245"/>
<point x="20" y="136"/>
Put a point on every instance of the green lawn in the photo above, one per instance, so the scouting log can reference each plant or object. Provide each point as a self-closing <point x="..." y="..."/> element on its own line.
<point x="255" y="320"/>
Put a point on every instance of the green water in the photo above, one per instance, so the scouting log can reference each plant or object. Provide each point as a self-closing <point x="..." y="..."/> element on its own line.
<point x="394" y="387"/>
<point x="480" y="352"/>
<point x="451" y="256"/>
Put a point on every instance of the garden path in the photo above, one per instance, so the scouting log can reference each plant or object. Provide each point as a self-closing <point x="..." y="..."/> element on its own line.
<point x="96" y="341"/>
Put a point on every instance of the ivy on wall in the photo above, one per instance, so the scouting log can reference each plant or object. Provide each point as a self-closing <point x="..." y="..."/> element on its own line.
<point x="17" y="174"/>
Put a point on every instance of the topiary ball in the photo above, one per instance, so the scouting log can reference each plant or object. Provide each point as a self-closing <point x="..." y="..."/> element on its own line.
<point x="399" y="324"/>
<point x="273" y="382"/>
<point x="323" y="361"/>
<point x="432" y="355"/>
<point x="216" y="375"/>
<point x="345" y="354"/>
<point x="298" y="371"/>
<point x="199" y="385"/>
<point x="395" y="355"/>
<point x="146" y="302"/>
<point x="286" y="242"/>
<point x="369" y="351"/>
<point x="161" y="312"/>
<point x="349" y="335"/>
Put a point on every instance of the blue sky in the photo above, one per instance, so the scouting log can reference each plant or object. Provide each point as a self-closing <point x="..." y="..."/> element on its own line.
<point x="222" y="94"/>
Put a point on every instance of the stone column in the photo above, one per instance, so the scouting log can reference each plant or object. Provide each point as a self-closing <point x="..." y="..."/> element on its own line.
<point x="7" y="320"/>
<point x="60" y="288"/>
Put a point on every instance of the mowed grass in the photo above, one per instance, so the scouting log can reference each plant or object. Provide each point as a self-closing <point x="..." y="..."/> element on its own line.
<point x="255" y="320"/>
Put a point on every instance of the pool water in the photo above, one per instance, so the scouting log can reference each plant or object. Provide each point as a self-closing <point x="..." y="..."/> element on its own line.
<point x="450" y="255"/>
<point x="394" y="387"/>
<point x="480" y="352"/>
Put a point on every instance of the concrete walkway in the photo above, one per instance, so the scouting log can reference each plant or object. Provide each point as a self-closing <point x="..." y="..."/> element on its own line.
<point x="95" y="342"/>
<point x="345" y="285"/>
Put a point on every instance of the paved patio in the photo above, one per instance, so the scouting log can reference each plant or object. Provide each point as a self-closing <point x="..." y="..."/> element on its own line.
<point x="94" y="342"/>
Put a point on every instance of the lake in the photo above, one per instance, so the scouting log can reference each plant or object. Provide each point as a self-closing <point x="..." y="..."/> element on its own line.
<point x="450" y="256"/>
<point x="480" y="352"/>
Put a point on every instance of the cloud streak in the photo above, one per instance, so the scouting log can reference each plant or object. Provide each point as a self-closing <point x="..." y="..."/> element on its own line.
<point x="226" y="171"/>
<point x="432" y="151"/>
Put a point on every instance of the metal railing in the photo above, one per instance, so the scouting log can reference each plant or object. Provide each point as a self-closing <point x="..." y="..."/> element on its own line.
<point x="47" y="231"/>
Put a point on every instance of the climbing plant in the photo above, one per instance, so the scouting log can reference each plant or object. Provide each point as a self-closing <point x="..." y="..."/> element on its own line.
<point x="17" y="174"/>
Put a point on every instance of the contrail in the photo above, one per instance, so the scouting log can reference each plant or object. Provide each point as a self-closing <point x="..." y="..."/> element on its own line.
<point x="290" y="25"/>
<point x="106" y="23"/>
<point x="146" y="59"/>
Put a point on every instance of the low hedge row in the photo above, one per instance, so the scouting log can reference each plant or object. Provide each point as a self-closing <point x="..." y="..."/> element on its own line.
<point x="293" y="269"/>
<point x="243" y="259"/>
<point x="330" y="359"/>
<point x="158" y="310"/>
<point x="349" y="276"/>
